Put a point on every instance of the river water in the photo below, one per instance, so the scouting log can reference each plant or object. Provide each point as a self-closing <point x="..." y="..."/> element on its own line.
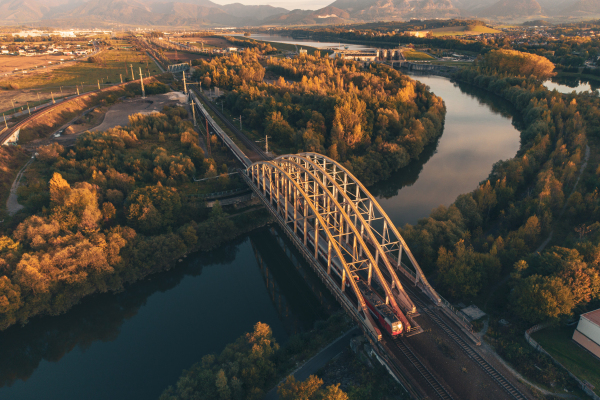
<point x="477" y="133"/>
<point x="135" y="343"/>
<point x="568" y="84"/>
<point x="306" y="42"/>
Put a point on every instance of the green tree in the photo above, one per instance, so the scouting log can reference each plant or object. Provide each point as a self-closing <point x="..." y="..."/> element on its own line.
<point x="539" y="298"/>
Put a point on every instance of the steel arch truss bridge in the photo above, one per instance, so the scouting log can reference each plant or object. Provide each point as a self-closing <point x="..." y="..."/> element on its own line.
<point x="341" y="229"/>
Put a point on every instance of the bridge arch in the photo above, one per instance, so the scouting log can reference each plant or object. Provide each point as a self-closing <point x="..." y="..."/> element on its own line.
<point x="387" y="234"/>
<point x="286" y="188"/>
<point x="365" y="226"/>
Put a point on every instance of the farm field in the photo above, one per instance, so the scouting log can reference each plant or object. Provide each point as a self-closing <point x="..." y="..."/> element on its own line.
<point x="9" y="63"/>
<point x="20" y="98"/>
<point x="209" y="42"/>
<point x="461" y="30"/>
<point x="111" y="63"/>
<point x="417" y="55"/>
<point x="181" y="56"/>
<point x="559" y="343"/>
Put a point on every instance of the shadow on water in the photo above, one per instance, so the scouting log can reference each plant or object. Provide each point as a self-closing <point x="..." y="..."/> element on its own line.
<point x="410" y="174"/>
<point x="576" y="83"/>
<point x="97" y="318"/>
<point x="495" y="103"/>
<point x="285" y="271"/>
<point x="102" y="317"/>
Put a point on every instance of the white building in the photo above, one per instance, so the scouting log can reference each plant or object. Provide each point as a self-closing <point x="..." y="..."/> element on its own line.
<point x="587" y="333"/>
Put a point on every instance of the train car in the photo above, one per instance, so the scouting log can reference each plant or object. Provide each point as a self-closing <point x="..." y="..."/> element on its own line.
<point x="382" y="312"/>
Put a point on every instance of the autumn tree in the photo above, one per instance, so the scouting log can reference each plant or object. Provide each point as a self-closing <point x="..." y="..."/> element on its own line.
<point x="519" y="63"/>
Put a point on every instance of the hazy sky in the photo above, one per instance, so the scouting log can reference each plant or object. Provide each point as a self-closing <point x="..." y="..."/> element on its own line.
<point x="290" y="5"/>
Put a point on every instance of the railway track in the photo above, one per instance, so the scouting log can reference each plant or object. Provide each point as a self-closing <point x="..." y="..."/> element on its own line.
<point x="249" y="143"/>
<point x="470" y="352"/>
<point x="19" y="125"/>
<point x="431" y="380"/>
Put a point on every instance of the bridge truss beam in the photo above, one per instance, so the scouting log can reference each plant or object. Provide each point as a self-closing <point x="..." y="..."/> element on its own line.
<point x="382" y="228"/>
<point x="304" y="219"/>
<point x="331" y="214"/>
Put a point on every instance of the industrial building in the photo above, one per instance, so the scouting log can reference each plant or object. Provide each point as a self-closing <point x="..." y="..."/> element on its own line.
<point x="587" y="333"/>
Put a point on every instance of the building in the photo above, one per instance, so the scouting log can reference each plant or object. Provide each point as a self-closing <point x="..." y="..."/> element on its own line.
<point x="355" y="55"/>
<point x="587" y="334"/>
<point x="303" y="51"/>
<point x="419" y="34"/>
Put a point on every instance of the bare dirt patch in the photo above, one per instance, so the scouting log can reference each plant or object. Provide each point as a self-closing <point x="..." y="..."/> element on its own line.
<point x="9" y="63"/>
<point x="183" y="56"/>
<point x="119" y="115"/>
<point x="208" y="41"/>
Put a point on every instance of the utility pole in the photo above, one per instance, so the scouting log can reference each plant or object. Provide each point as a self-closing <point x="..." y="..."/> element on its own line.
<point x="184" y="86"/>
<point x="52" y="94"/>
<point x="98" y="84"/>
<point x="77" y="90"/>
<point x="142" y="82"/>
<point x="266" y="144"/>
<point x="207" y="136"/>
<point x="132" y="76"/>
<point x="5" y="123"/>
<point x="121" y="75"/>
<point x="194" y="113"/>
<point x="28" y="110"/>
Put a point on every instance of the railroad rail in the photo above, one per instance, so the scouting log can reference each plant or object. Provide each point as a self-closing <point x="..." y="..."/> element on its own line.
<point x="237" y="152"/>
<point x="249" y="143"/>
<point x="471" y="352"/>
<point x="431" y="380"/>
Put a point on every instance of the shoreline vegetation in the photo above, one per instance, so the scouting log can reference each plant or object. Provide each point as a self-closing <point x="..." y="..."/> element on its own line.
<point x="111" y="210"/>
<point x="374" y="120"/>
<point x="488" y="240"/>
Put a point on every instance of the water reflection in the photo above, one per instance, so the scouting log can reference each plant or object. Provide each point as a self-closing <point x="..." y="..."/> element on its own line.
<point x="568" y="84"/>
<point x="135" y="343"/>
<point x="98" y="318"/>
<point x="478" y="132"/>
<point x="306" y="42"/>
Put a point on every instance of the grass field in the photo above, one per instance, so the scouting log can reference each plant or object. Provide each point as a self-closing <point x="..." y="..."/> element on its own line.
<point x="412" y="55"/>
<point x="112" y="63"/>
<point x="559" y="343"/>
<point x="462" y="30"/>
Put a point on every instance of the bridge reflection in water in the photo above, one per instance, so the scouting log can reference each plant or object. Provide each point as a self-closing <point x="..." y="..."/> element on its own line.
<point x="288" y="281"/>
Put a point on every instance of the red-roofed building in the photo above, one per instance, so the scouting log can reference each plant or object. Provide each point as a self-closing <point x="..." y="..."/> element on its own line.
<point x="587" y="333"/>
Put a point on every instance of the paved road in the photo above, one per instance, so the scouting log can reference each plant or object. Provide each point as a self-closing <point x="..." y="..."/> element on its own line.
<point x="319" y="360"/>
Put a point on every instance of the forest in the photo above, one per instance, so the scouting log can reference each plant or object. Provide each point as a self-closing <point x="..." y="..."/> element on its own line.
<point x="492" y="239"/>
<point x="374" y="120"/>
<point x="248" y="368"/>
<point x="108" y="211"/>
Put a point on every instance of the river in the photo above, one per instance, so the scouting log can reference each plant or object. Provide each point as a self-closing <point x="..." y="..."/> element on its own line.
<point x="477" y="133"/>
<point x="568" y="84"/>
<point x="306" y="42"/>
<point x="135" y="343"/>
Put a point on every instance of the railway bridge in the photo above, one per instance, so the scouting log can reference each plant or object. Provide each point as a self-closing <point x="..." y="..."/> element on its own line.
<point x="344" y="233"/>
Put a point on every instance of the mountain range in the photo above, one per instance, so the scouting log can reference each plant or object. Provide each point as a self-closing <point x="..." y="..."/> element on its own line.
<point x="205" y="13"/>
